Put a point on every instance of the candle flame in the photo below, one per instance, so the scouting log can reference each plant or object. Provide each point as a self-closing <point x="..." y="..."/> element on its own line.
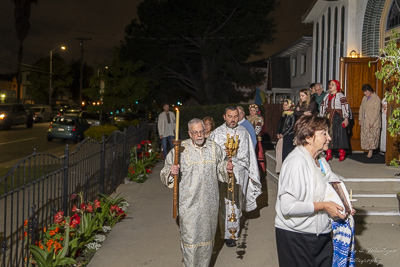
<point x="176" y="109"/>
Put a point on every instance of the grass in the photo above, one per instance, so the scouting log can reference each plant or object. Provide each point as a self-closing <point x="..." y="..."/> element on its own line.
<point x="32" y="174"/>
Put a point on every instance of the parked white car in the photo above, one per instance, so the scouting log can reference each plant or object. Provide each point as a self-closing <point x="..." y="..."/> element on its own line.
<point x="41" y="113"/>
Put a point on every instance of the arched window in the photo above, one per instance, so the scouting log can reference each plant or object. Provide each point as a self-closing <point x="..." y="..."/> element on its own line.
<point x="335" y="42"/>
<point x="393" y="19"/>
<point x="342" y="33"/>
<point x="316" y="52"/>
<point x="328" y="44"/>
<point x="321" y="73"/>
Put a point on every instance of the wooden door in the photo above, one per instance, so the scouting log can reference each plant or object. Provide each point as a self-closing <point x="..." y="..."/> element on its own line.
<point x="354" y="72"/>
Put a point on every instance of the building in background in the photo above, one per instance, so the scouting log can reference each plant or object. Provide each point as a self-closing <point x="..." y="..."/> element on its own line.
<point x="348" y="28"/>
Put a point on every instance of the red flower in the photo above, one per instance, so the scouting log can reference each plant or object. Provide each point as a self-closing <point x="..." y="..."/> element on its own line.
<point x="73" y="196"/>
<point x="147" y="170"/>
<point x="96" y="204"/>
<point x="139" y="146"/>
<point x="147" y="154"/>
<point x="83" y="207"/>
<point x="143" y="142"/>
<point x="117" y="211"/>
<point x="25" y="223"/>
<point x="59" y="217"/>
<point x="89" y="208"/>
<point x="75" y="220"/>
<point x="74" y="209"/>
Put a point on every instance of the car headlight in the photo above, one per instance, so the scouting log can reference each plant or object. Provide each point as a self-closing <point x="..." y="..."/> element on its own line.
<point x="2" y="116"/>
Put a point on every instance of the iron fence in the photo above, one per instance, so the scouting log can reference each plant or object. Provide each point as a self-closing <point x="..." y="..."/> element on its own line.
<point x="41" y="184"/>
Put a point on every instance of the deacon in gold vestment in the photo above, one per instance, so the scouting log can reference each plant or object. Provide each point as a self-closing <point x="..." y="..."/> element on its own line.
<point x="202" y="164"/>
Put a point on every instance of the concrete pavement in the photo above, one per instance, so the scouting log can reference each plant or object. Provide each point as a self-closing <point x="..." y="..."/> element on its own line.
<point x="149" y="236"/>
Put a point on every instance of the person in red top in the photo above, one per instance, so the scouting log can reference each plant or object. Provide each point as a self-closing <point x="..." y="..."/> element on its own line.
<point x="335" y="107"/>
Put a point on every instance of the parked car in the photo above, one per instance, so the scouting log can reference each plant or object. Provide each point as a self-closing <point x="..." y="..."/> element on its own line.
<point x="41" y="113"/>
<point x="127" y="116"/>
<point x="72" y="112"/>
<point x="93" y="118"/>
<point x="58" y="111"/>
<point x="67" y="127"/>
<point x="14" y="114"/>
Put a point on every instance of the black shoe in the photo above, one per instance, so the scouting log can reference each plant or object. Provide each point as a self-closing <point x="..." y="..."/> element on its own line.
<point x="230" y="242"/>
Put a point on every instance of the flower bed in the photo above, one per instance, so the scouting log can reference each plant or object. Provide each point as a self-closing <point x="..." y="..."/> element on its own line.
<point x="142" y="160"/>
<point x="73" y="240"/>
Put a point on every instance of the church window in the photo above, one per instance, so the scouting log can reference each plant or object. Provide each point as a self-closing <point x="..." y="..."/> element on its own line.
<point x="393" y="19"/>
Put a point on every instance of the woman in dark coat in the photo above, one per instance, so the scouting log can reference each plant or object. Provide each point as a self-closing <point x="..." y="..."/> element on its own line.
<point x="285" y="133"/>
<point x="306" y="105"/>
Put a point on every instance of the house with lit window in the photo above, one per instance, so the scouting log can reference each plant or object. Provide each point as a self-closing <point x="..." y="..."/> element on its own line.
<point x="348" y="28"/>
<point x="347" y="38"/>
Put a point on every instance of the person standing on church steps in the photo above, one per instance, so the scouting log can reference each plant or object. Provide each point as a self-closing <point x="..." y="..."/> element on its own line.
<point x="247" y="176"/>
<point x="166" y="127"/>
<point x="202" y="164"/>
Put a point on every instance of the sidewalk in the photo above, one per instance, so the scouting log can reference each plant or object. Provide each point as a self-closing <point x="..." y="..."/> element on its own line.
<point x="149" y="236"/>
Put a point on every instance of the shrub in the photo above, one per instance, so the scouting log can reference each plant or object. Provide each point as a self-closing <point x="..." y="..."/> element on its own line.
<point x="98" y="131"/>
<point x="125" y="124"/>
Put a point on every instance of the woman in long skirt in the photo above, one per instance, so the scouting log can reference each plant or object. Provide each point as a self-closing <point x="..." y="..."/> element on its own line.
<point x="335" y="107"/>
<point x="370" y="120"/>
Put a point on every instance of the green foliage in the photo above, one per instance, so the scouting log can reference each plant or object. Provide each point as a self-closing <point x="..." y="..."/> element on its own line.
<point x="98" y="131"/>
<point x="389" y="74"/>
<point x="124" y="84"/>
<point x="68" y="236"/>
<point x="125" y="124"/>
<point x="214" y="111"/>
<point x="113" y="208"/>
<point x="38" y="86"/>
<point x="51" y="255"/>
<point x="142" y="159"/>
<point x="199" y="48"/>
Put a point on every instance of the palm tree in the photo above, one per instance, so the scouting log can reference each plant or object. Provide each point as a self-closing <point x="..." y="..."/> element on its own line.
<point x="22" y="13"/>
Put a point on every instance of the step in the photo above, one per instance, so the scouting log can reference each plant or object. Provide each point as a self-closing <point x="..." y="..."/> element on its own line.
<point x="373" y="184"/>
<point x="370" y="201"/>
<point x="377" y="215"/>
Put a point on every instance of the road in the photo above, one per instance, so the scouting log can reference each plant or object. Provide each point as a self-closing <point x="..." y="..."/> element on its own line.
<point x="20" y="141"/>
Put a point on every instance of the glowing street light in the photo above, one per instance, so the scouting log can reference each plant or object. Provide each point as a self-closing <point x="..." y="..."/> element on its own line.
<point x="51" y="71"/>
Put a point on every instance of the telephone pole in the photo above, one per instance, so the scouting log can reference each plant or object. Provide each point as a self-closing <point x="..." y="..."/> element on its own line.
<point x="81" y="40"/>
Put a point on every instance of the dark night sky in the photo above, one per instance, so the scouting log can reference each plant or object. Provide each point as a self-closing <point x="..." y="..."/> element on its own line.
<point x="57" y="22"/>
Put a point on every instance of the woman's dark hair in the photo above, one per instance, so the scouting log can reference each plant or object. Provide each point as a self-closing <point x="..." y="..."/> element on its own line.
<point x="367" y="87"/>
<point x="306" y="127"/>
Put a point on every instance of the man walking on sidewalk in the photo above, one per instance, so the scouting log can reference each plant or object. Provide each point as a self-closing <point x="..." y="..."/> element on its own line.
<point x="202" y="164"/>
<point x="166" y="127"/>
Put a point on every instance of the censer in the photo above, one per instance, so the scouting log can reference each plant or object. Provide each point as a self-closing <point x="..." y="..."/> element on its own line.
<point x="232" y="146"/>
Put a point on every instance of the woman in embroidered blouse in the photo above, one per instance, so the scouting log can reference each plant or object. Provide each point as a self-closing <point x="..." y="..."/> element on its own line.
<point x="257" y="121"/>
<point x="370" y="119"/>
<point x="209" y="126"/>
<point x="306" y="105"/>
<point x="337" y="110"/>
<point x="306" y="203"/>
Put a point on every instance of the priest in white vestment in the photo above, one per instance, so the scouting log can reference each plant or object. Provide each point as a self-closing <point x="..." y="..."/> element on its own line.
<point x="202" y="164"/>
<point x="244" y="167"/>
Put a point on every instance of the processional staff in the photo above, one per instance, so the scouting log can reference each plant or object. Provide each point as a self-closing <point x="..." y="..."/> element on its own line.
<point x="177" y="144"/>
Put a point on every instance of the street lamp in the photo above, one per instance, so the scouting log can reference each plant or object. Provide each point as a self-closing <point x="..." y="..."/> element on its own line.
<point x="51" y="71"/>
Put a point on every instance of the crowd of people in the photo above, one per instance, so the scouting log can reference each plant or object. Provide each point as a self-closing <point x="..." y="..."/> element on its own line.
<point x="332" y="104"/>
<point x="219" y="170"/>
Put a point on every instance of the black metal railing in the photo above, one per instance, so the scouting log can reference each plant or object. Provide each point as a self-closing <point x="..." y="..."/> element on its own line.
<point x="41" y="184"/>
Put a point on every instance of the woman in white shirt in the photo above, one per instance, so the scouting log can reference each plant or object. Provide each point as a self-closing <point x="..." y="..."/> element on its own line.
<point x="306" y="202"/>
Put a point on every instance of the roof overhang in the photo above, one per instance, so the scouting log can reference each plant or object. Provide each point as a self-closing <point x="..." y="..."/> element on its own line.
<point x="315" y="10"/>
<point x="300" y="45"/>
